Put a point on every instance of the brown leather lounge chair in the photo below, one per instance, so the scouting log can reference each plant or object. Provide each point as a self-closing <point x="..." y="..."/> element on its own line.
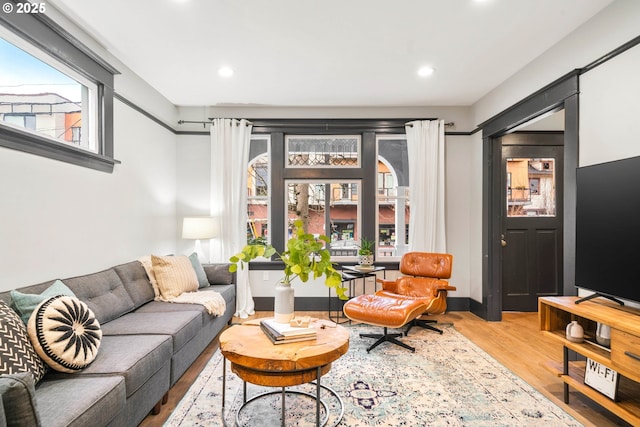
<point x="424" y="281"/>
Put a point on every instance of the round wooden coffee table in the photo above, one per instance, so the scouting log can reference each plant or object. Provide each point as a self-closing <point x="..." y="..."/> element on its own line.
<point x="256" y="360"/>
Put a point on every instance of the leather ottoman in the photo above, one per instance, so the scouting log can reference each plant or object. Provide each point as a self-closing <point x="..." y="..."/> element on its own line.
<point x="385" y="311"/>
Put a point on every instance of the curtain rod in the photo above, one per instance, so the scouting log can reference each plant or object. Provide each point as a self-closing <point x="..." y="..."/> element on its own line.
<point x="180" y="122"/>
<point x="289" y="124"/>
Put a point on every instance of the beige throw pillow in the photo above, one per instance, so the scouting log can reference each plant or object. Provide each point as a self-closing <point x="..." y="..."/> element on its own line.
<point x="175" y="275"/>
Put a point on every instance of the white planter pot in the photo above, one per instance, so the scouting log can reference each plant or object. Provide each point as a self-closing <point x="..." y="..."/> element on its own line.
<point x="283" y="302"/>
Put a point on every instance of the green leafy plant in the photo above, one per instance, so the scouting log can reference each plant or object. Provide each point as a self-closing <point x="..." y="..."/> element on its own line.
<point x="366" y="246"/>
<point x="306" y="256"/>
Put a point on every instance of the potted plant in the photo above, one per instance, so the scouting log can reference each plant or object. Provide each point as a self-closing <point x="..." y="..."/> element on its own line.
<point x="366" y="252"/>
<point x="306" y="256"/>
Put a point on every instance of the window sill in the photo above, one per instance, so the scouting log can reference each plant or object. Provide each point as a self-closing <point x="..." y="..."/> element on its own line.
<point x="33" y="144"/>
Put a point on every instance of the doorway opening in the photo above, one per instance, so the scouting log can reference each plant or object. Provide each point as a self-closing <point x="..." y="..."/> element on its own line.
<point x="549" y="238"/>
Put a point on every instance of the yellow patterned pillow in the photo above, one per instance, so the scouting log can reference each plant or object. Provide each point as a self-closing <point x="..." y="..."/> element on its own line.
<point x="175" y="275"/>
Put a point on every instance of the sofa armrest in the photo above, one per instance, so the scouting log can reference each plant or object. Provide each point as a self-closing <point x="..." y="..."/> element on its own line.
<point x="18" y="395"/>
<point x="219" y="274"/>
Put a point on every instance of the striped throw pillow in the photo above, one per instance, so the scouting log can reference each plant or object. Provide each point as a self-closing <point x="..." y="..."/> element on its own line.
<point x="175" y="275"/>
<point x="17" y="353"/>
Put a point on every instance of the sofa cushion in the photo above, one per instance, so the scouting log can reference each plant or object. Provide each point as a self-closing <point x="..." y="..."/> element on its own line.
<point x="134" y="357"/>
<point x="203" y="282"/>
<point x="166" y="307"/>
<point x="182" y="326"/>
<point x="65" y="333"/>
<point x="135" y="280"/>
<point x="19" y="400"/>
<point x="103" y="292"/>
<point x="228" y="293"/>
<point x="88" y="401"/>
<point x="175" y="275"/>
<point x="16" y="351"/>
<point x="24" y="304"/>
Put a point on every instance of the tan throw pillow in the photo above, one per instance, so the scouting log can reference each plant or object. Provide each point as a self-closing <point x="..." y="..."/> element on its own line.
<point x="148" y="267"/>
<point x="175" y="275"/>
<point x="65" y="333"/>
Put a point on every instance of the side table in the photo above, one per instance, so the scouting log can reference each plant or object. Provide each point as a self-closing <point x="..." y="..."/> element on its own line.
<point x="351" y="273"/>
<point x="257" y="361"/>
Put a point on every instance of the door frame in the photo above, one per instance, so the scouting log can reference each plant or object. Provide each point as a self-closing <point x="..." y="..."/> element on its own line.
<point x="560" y="94"/>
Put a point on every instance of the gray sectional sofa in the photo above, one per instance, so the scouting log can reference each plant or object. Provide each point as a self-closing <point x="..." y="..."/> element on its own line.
<point x="146" y="347"/>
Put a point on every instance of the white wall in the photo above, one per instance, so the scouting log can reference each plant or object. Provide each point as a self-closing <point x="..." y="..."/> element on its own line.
<point x="609" y="110"/>
<point x="193" y="172"/>
<point x="459" y="199"/>
<point x="58" y="220"/>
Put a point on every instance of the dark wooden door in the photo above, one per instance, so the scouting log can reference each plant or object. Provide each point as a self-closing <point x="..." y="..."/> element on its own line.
<point x="531" y="239"/>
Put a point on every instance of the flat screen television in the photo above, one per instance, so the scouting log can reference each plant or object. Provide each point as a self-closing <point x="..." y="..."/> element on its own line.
<point x="608" y="229"/>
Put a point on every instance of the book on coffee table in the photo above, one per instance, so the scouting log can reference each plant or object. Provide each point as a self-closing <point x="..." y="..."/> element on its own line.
<point x="285" y="329"/>
<point x="282" y="333"/>
<point x="276" y="341"/>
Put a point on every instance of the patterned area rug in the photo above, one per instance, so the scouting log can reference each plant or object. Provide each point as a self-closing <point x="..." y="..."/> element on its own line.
<point x="448" y="381"/>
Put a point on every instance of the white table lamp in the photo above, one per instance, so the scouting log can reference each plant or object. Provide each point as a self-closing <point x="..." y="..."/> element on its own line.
<point x="199" y="228"/>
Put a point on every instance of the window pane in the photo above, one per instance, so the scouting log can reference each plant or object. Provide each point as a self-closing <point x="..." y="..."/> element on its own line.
<point x="258" y="183"/>
<point x="393" y="196"/>
<point x="323" y="151"/>
<point x="531" y="187"/>
<point x="36" y="97"/>
<point x="318" y="203"/>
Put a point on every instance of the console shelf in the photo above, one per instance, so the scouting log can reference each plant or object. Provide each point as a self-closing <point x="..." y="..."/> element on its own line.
<point x="555" y="313"/>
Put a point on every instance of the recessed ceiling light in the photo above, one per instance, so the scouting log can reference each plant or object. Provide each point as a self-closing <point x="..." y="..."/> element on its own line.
<point x="425" y="71"/>
<point x="225" y="71"/>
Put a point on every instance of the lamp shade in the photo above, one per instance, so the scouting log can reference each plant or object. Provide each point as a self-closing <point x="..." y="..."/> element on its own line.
<point x="201" y="227"/>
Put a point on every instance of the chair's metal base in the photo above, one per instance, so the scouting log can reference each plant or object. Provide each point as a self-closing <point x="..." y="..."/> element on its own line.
<point x="423" y="324"/>
<point x="386" y="337"/>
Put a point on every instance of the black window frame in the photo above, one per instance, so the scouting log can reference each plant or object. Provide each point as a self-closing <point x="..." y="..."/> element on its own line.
<point x="44" y="34"/>
<point x="277" y="129"/>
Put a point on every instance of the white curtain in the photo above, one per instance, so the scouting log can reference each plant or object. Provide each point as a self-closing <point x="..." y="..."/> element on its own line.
<point x="425" y="147"/>
<point x="230" y="141"/>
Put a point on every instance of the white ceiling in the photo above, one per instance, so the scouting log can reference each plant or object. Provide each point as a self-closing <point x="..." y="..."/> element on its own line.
<point x="329" y="52"/>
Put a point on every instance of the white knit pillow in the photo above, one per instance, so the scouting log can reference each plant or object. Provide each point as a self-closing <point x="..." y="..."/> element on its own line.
<point x="175" y="275"/>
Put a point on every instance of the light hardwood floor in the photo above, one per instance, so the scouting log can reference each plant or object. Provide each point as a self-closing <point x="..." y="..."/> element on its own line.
<point x="515" y="342"/>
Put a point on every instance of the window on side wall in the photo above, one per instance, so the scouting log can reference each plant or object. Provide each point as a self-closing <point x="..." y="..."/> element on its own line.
<point x="55" y="103"/>
<point x="55" y="99"/>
